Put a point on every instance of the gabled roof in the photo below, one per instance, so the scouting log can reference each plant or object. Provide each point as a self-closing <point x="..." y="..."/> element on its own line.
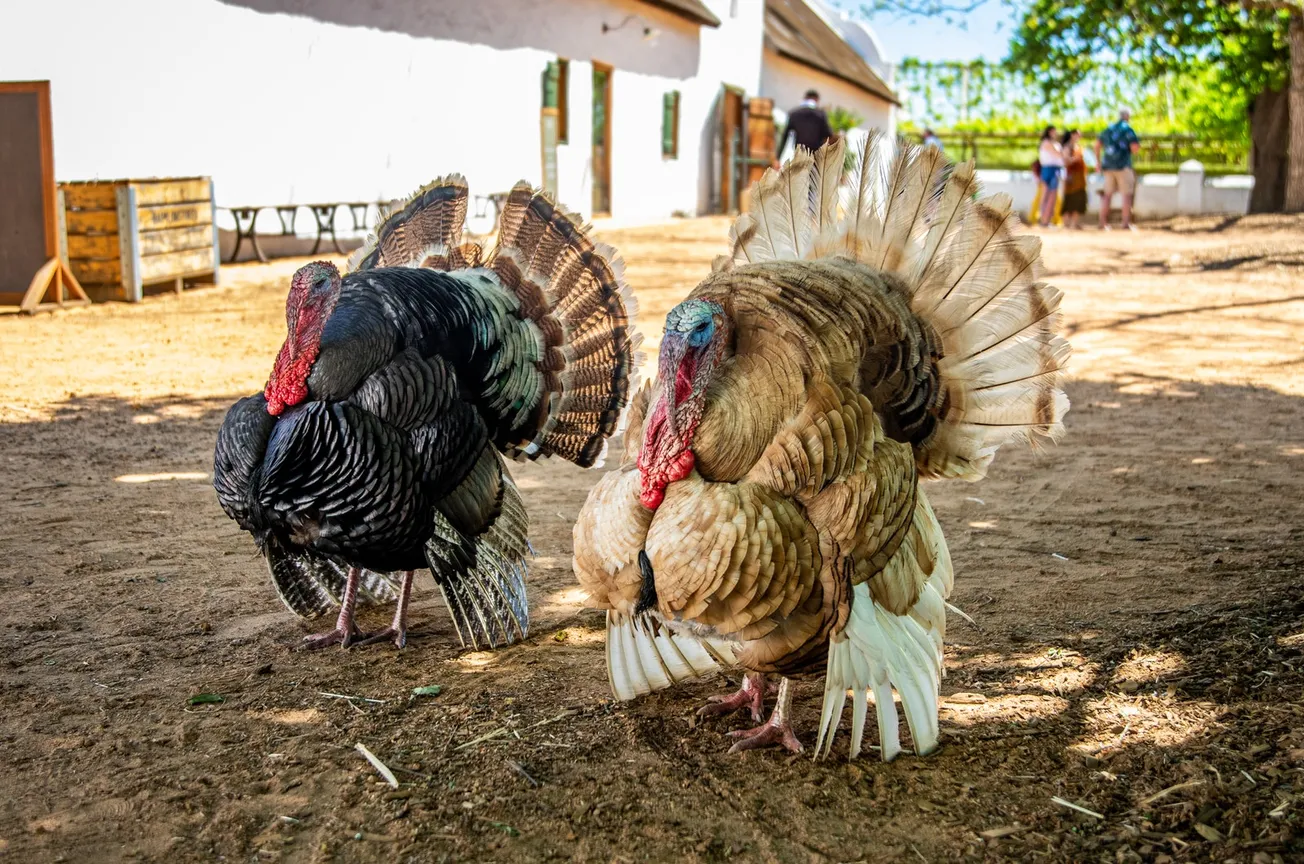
<point x="693" y="10"/>
<point x="797" y="32"/>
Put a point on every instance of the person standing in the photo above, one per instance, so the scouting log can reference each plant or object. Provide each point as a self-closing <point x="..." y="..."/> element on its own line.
<point x="808" y="124"/>
<point x="1051" y="160"/>
<point x="1114" y="149"/>
<point x="1075" y="179"/>
<point x="930" y="139"/>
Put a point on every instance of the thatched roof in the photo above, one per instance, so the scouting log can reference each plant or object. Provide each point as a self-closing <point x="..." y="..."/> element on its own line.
<point x="693" y="10"/>
<point x="795" y="31"/>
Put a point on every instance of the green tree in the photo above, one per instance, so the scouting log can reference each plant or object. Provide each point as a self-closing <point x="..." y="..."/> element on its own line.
<point x="1246" y="51"/>
<point x="1248" y="54"/>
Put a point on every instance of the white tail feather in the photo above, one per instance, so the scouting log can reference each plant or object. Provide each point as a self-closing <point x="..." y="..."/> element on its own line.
<point x="970" y="278"/>
<point x="878" y="651"/>
<point x="643" y="656"/>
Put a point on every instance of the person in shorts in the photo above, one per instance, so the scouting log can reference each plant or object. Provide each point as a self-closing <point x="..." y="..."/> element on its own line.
<point x="1052" y="163"/>
<point x="1075" y="180"/>
<point x="1114" y="149"/>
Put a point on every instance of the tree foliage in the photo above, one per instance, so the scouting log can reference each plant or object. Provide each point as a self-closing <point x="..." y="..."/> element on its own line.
<point x="1237" y="48"/>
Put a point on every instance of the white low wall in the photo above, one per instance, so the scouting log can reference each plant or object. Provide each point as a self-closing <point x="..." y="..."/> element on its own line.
<point x="1158" y="196"/>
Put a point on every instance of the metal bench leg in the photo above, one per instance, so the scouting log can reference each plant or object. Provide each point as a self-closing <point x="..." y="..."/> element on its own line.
<point x="325" y="222"/>
<point x="359" y="214"/>
<point x="287" y="216"/>
<point x="243" y="231"/>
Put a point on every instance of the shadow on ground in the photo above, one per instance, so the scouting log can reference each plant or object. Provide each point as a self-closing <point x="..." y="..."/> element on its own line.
<point x="1141" y="655"/>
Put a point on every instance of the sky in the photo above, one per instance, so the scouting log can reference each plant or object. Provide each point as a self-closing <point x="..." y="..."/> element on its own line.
<point x="986" y="33"/>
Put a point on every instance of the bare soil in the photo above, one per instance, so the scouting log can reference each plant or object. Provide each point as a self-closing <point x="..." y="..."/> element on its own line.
<point x="1137" y="589"/>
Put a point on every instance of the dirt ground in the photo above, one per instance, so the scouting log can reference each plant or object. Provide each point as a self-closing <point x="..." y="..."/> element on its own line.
<point x="1137" y="591"/>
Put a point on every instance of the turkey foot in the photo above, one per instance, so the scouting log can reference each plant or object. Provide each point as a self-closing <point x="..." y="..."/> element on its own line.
<point x="345" y="630"/>
<point x="750" y="696"/>
<point x="775" y="731"/>
<point x="396" y="632"/>
<point x="337" y="636"/>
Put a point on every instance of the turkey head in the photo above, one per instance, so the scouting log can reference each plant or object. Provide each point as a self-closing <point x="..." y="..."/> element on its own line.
<point x="697" y="334"/>
<point x="314" y="290"/>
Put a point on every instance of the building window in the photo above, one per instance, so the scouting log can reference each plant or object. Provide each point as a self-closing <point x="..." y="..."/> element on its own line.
<point x="556" y="88"/>
<point x="670" y="125"/>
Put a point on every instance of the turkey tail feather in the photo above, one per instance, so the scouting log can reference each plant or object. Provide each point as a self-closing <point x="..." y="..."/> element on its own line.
<point x="571" y="289"/>
<point x="971" y="282"/>
<point x="643" y="655"/>
<point x="310" y="585"/>
<point x="427" y="226"/>
<point x="482" y="578"/>
<point x="575" y="290"/>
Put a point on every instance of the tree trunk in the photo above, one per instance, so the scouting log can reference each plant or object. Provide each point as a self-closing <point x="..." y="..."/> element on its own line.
<point x="1295" y="166"/>
<point x="1269" y="141"/>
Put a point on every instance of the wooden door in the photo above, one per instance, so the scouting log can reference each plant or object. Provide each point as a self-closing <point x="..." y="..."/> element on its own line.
<point x="601" y="139"/>
<point x="731" y="122"/>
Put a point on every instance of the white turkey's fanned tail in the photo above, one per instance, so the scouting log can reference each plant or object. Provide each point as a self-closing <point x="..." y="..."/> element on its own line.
<point x="643" y="655"/>
<point x="905" y="210"/>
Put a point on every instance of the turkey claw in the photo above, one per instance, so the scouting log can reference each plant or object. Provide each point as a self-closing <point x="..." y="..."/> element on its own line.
<point x="750" y="696"/>
<point x="390" y="634"/>
<point x="768" y="735"/>
<point x="343" y="638"/>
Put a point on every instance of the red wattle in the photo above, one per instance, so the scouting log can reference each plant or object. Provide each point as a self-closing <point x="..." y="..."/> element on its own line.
<point x="288" y="384"/>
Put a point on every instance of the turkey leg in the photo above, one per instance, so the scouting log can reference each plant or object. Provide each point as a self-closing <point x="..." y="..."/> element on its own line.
<point x="776" y="730"/>
<point x="750" y="696"/>
<point x="344" y="628"/>
<point x="397" y="630"/>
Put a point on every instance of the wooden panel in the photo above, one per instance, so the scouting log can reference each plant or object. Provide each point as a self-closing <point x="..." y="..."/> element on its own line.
<point x="103" y="293"/>
<point x="173" y="264"/>
<point x="93" y="245"/>
<point x="28" y="232"/>
<point x="175" y="215"/>
<point x="548" y="128"/>
<point x="96" y="272"/>
<point x="175" y="239"/>
<point x="172" y="191"/>
<point x="92" y="221"/>
<point x="89" y="196"/>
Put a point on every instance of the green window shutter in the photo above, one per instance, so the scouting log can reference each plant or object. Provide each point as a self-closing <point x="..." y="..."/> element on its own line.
<point x="551" y="77"/>
<point x="670" y="125"/>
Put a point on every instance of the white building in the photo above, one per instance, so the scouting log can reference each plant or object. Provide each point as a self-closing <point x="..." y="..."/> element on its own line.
<point x="803" y="51"/>
<point x="304" y="101"/>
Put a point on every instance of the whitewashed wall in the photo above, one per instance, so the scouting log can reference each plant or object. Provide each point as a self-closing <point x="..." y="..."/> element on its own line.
<point x="786" y="81"/>
<point x="295" y="101"/>
<point x="1158" y="195"/>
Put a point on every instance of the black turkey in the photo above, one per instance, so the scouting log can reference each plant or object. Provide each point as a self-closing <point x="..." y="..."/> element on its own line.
<point x="377" y="447"/>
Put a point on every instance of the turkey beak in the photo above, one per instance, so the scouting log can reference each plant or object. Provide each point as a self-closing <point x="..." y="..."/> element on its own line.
<point x="673" y="349"/>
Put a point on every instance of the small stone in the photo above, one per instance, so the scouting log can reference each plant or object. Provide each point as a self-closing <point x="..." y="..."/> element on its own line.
<point x="1262" y="858"/>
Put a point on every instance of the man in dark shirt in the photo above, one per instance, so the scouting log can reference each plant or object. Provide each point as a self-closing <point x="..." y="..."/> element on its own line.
<point x="808" y="124"/>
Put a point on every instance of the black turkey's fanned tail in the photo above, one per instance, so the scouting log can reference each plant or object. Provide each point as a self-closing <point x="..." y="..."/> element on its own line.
<point x="586" y="313"/>
<point x="311" y="585"/>
<point x="481" y="574"/>
<point x="581" y="361"/>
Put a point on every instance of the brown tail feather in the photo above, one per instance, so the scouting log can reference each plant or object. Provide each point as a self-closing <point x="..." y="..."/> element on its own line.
<point x="571" y="288"/>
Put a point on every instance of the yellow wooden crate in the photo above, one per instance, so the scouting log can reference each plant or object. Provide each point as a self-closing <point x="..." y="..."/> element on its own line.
<point x="124" y="235"/>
